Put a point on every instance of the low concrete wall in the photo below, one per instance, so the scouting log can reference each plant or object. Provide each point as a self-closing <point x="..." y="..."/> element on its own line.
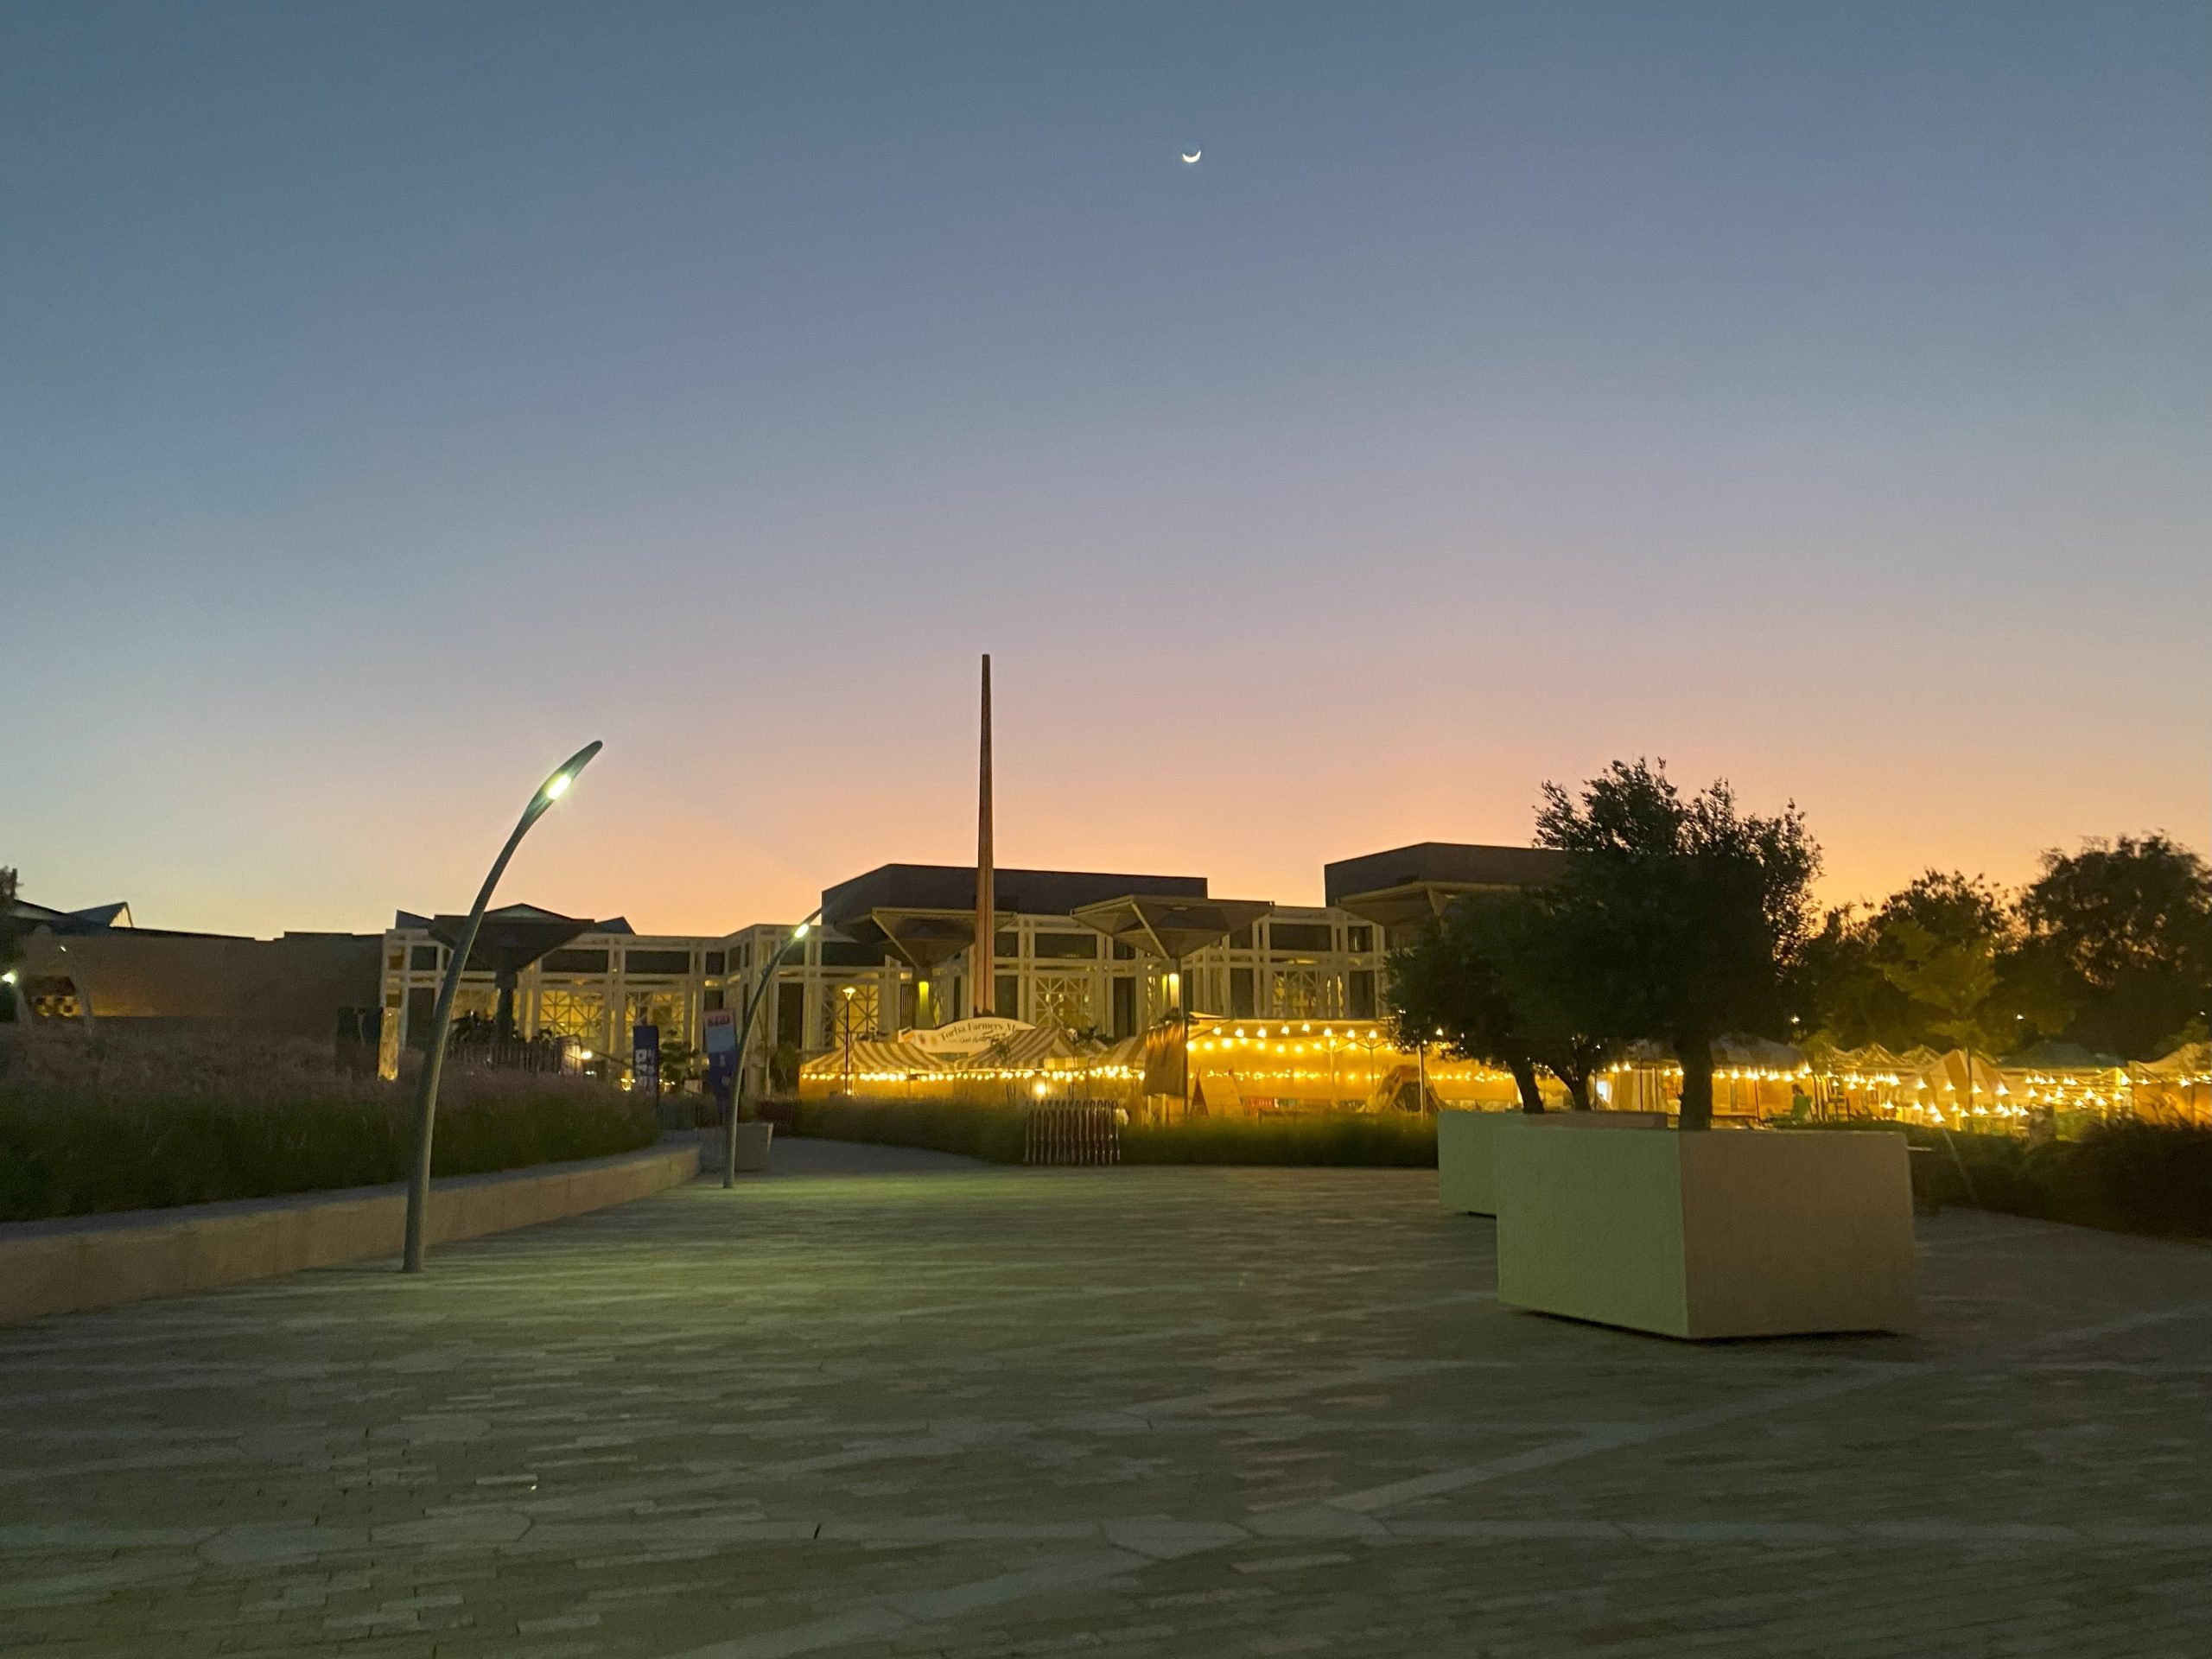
<point x="1708" y="1234"/>
<point x="58" y="1267"/>
<point x="1467" y="1155"/>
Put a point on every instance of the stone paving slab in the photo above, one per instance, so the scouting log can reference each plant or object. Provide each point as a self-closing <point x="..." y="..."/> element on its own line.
<point x="891" y="1403"/>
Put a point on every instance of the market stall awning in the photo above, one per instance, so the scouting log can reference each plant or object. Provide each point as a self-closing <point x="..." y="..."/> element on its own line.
<point x="875" y="1058"/>
<point x="1027" y="1051"/>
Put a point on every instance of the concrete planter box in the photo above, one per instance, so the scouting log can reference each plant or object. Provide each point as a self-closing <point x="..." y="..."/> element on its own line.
<point x="1466" y="1155"/>
<point x="752" y="1139"/>
<point x="58" y="1267"/>
<point x="1718" y="1233"/>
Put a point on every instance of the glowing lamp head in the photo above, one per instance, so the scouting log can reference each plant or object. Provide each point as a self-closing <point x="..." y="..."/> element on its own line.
<point x="557" y="786"/>
<point x="7" y="978"/>
<point x="801" y="930"/>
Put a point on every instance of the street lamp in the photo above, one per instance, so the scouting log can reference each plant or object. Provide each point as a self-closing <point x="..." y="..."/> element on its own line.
<point x="433" y="1058"/>
<point x="745" y="1040"/>
<point x="849" y="1041"/>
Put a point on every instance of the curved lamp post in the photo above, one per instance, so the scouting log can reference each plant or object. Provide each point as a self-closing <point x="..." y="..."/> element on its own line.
<point x="745" y="1040"/>
<point x="433" y="1058"/>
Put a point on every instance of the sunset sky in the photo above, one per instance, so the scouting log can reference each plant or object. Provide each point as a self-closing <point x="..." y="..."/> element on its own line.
<point x="393" y="398"/>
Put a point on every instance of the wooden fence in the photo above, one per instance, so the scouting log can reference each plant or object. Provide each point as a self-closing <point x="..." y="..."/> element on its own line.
<point x="1072" y="1132"/>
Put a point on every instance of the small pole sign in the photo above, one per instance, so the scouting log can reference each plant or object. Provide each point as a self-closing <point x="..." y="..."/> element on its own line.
<point x="645" y="1059"/>
<point x="719" y="1034"/>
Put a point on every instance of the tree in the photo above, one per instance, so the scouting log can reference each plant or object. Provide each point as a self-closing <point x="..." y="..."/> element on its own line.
<point x="1683" y="917"/>
<point x="680" y="1064"/>
<point x="1560" y="1011"/>
<point x="1445" y="984"/>
<point x="1936" y="961"/>
<point x="2123" y="930"/>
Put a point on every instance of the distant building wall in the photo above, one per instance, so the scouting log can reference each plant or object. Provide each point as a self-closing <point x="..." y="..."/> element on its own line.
<point x="293" y="985"/>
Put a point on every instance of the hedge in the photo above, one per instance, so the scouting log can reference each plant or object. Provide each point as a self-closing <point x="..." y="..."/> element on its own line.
<point x="996" y="1134"/>
<point x="97" y="1127"/>
<point x="2125" y="1177"/>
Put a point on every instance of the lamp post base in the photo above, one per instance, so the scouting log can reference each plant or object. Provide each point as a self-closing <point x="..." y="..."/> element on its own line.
<point x="752" y="1148"/>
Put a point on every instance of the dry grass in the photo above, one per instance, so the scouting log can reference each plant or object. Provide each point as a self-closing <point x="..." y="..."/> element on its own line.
<point x="125" y="1120"/>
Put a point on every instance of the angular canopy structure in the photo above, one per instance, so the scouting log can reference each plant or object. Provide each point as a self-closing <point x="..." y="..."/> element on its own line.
<point x="1167" y="926"/>
<point x="1410" y="887"/>
<point x="512" y="937"/>
<point x="924" y="937"/>
<point x="926" y="913"/>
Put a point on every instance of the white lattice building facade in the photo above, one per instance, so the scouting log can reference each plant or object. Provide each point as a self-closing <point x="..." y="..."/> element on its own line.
<point x="897" y="947"/>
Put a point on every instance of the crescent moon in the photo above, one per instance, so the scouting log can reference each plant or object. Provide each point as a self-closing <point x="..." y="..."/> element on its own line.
<point x="1194" y="155"/>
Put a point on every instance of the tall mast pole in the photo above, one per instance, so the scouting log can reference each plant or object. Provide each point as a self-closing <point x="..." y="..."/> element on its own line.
<point x="983" y="999"/>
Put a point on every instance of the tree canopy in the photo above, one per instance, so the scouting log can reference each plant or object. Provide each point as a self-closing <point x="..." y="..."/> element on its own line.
<point x="1683" y="916"/>
<point x="1935" y="962"/>
<point x="2122" y="930"/>
<point x="2110" y="949"/>
<point x="1685" y="919"/>
<point x="1486" y="979"/>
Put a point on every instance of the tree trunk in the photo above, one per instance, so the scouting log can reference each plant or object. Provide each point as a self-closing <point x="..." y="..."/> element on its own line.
<point x="1524" y="1075"/>
<point x="1577" y="1079"/>
<point x="1696" y="1055"/>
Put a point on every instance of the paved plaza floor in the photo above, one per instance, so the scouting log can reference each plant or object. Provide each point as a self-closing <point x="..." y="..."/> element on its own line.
<point x="884" y="1403"/>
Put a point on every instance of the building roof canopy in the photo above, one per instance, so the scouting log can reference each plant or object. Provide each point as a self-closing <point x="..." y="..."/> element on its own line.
<point x="1461" y="865"/>
<point x="92" y="919"/>
<point x="944" y="887"/>
<point x="1168" y="926"/>
<point x="511" y="937"/>
<point x="924" y="937"/>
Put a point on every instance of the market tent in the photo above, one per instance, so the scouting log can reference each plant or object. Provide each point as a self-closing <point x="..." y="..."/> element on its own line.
<point x="875" y="1060"/>
<point x="1950" y="1084"/>
<point x="1127" y="1053"/>
<point x="2179" y="1084"/>
<point x="1761" y="1053"/>
<point x="2192" y="1062"/>
<point x="1026" y="1050"/>
<point x="1871" y="1058"/>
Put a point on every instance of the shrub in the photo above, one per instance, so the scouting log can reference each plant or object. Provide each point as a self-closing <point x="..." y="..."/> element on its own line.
<point x="1396" y="1141"/>
<point x="996" y="1134"/>
<point x="115" y="1122"/>
<point x="2125" y="1176"/>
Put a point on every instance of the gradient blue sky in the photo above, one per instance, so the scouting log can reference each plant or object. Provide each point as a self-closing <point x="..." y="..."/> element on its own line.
<point x="392" y="398"/>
